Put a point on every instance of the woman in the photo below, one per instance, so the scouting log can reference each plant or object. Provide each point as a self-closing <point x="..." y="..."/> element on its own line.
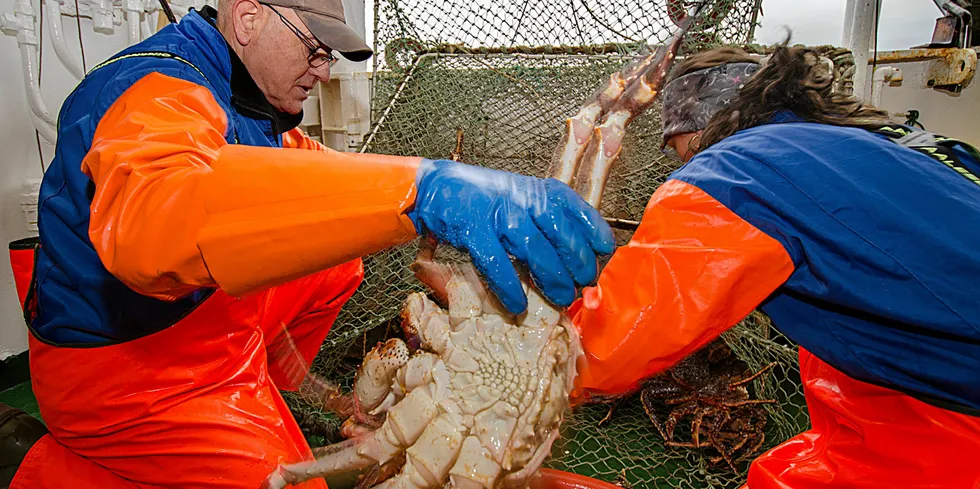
<point x="860" y="244"/>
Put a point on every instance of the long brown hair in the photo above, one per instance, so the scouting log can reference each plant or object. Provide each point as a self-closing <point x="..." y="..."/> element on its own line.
<point x="794" y="79"/>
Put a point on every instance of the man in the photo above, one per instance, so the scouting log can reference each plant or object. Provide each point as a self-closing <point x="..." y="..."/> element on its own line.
<point x="185" y="225"/>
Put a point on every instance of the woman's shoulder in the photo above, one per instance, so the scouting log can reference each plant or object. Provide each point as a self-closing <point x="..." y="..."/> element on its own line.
<point x="779" y="138"/>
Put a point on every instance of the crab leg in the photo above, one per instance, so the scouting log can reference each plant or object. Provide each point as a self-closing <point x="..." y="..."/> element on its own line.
<point x="578" y="128"/>
<point x="424" y="377"/>
<point x="475" y="468"/>
<point x="429" y="460"/>
<point x="431" y="273"/>
<point x="520" y="478"/>
<point x="373" y="395"/>
<point x="327" y="395"/>
<point x="380" y="473"/>
<point x="372" y="384"/>
<point x="402" y="428"/>
<point x="607" y="140"/>
<point x="752" y="377"/>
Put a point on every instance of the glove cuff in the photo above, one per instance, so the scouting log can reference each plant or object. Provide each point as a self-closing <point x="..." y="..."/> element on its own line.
<point x="425" y="190"/>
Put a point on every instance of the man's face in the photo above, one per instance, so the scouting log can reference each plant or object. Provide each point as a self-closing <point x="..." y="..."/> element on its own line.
<point x="279" y="60"/>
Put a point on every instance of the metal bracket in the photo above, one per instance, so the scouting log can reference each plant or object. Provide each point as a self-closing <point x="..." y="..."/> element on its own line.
<point x="953" y="71"/>
<point x="951" y="68"/>
<point x="953" y="30"/>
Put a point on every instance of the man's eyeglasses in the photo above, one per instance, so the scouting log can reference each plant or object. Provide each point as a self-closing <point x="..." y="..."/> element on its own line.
<point x="317" y="57"/>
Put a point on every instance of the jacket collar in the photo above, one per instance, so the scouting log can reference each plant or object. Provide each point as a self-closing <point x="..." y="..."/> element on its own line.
<point x="785" y="117"/>
<point x="246" y="97"/>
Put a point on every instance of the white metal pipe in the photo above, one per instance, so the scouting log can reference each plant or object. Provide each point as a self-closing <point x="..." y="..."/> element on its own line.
<point x="40" y="115"/>
<point x="179" y="11"/>
<point x="47" y="132"/>
<point x="145" y="26"/>
<point x="864" y="17"/>
<point x="22" y="22"/>
<point x="848" y="22"/>
<point x="28" y="53"/>
<point x="133" y="22"/>
<point x="882" y="76"/>
<point x="102" y="19"/>
<point x="58" y="40"/>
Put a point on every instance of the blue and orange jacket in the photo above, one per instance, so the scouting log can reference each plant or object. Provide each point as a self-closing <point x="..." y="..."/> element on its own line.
<point x="861" y="250"/>
<point x="170" y="180"/>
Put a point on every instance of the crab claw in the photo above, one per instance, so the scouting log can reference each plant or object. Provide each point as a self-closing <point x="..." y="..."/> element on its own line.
<point x="372" y="385"/>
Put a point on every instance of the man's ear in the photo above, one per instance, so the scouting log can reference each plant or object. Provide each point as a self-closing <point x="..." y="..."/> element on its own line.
<point x="247" y="18"/>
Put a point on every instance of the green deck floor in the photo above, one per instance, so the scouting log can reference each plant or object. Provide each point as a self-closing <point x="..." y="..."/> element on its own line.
<point x="21" y="397"/>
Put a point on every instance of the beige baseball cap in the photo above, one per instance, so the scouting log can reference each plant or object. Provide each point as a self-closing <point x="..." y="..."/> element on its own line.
<point x="327" y="22"/>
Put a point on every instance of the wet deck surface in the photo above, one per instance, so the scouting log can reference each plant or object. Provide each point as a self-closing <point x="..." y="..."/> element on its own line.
<point x="21" y="397"/>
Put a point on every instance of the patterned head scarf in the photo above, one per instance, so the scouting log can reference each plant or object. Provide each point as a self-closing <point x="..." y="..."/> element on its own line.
<point x="691" y="100"/>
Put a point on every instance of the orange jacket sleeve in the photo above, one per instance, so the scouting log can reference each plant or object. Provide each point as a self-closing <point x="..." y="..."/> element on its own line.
<point x="692" y="270"/>
<point x="177" y="208"/>
<point x="297" y="139"/>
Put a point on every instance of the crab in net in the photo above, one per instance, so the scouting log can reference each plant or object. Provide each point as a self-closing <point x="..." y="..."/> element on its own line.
<point x="709" y="387"/>
<point x="477" y="396"/>
<point x="474" y="398"/>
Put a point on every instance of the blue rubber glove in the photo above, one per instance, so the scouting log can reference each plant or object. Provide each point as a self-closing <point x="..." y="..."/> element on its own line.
<point x="490" y="213"/>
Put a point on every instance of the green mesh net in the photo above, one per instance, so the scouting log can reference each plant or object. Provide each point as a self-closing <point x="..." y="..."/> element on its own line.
<point x="505" y="75"/>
